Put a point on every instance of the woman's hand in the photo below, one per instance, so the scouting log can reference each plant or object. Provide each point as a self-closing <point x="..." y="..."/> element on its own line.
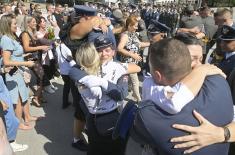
<point x="27" y="55"/>
<point x="107" y="21"/>
<point x="7" y="69"/>
<point x="30" y="63"/>
<point x="201" y="136"/>
<point x="103" y="28"/>
<point x="195" y="30"/>
<point x="4" y="106"/>
<point x="136" y="56"/>
<point x="45" y="48"/>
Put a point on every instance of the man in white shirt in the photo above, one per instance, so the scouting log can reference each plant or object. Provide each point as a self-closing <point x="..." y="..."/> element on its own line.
<point x="51" y="20"/>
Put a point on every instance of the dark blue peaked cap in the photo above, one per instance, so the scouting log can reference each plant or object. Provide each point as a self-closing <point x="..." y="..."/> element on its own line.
<point x="157" y="27"/>
<point x="125" y="120"/>
<point x="133" y="6"/>
<point x="82" y="10"/>
<point x="102" y="42"/>
<point x="227" y="33"/>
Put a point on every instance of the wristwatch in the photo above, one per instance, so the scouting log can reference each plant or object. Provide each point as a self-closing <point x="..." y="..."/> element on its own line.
<point x="227" y="134"/>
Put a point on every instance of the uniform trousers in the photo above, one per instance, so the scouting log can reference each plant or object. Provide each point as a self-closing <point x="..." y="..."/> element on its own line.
<point x="66" y="89"/>
<point x="103" y="144"/>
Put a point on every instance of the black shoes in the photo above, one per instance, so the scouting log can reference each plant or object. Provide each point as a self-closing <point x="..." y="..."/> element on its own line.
<point x="80" y="145"/>
<point x="64" y="106"/>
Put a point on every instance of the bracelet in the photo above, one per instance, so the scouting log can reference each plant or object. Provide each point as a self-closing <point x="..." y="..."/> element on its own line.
<point x="226" y="134"/>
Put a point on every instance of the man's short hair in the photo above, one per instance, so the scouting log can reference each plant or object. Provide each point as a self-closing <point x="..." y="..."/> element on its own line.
<point x="225" y="13"/>
<point x="205" y="8"/>
<point x="58" y="5"/>
<point x="171" y="58"/>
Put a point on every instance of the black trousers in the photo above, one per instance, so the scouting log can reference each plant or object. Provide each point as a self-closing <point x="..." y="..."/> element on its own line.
<point x="100" y="144"/>
<point x="66" y="89"/>
<point x="49" y="70"/>
<point x="77" y="99"/>
<point x="48" y="75"/>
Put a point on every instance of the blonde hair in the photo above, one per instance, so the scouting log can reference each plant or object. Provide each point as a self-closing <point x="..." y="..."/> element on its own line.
<point x="27" y="20"/>
<point x="5" y="25"/>
<point x="88" y="58"/>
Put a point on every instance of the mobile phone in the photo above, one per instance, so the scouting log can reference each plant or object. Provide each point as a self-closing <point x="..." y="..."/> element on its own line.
<point x="13" y="70"/>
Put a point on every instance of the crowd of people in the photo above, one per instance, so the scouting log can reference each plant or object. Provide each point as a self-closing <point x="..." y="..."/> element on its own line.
<point x="100" y="51"/>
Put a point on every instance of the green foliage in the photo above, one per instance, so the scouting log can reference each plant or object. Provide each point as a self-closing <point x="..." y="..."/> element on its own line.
<point x="221" y="3"/>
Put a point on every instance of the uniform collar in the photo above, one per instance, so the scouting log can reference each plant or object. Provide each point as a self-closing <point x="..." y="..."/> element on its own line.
<point x="106" y="63"/>
<point x="228" y="55"/>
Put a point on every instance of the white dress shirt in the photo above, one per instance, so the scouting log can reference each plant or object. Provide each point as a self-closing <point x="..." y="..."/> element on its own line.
<point x="170" y="99"/>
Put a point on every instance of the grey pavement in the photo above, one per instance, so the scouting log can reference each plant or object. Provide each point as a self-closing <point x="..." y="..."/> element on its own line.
<point x="53" y="134"/>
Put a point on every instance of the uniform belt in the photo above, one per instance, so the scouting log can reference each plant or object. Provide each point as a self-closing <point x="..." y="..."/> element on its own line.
<point x="100" y="115"/>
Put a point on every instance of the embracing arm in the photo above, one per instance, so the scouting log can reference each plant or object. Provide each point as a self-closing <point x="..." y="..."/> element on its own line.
<point x="187" y="88"/>
<point x="115" y="91"/>
<point x="118" y="91"/>
<point x="76" y="73"/>
<point x="194" y="80"/>
<point x="144" y="44"/>
<point x="204" y="135"/>
<point x="195" y="30"/>
<point x="133" y="68"/>
<point x="81" y="29"/>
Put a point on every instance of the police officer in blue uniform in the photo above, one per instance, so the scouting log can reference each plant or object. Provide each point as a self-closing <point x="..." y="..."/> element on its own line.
<point x="148" y="14"/>
<point x="101" y="121"/>
<point x="156" y="32"/>
<point x="156" y="13"/>
<point x="228" y="46"/>
<point x="73" y="35"/>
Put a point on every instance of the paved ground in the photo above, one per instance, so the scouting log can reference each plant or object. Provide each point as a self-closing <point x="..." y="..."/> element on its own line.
<point x="53" y="135"/>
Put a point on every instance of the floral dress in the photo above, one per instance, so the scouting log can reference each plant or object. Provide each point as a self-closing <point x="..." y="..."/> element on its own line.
<point x="132" y="45"/>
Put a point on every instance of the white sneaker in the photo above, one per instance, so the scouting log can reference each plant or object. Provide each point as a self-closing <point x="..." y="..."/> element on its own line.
<point x="54" y="87"/>
<point x="49" y="90"/>
<point x="18" y="147"/>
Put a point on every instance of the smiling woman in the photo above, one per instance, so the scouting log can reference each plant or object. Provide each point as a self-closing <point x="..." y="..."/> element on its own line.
<point x="28" y="40"/>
